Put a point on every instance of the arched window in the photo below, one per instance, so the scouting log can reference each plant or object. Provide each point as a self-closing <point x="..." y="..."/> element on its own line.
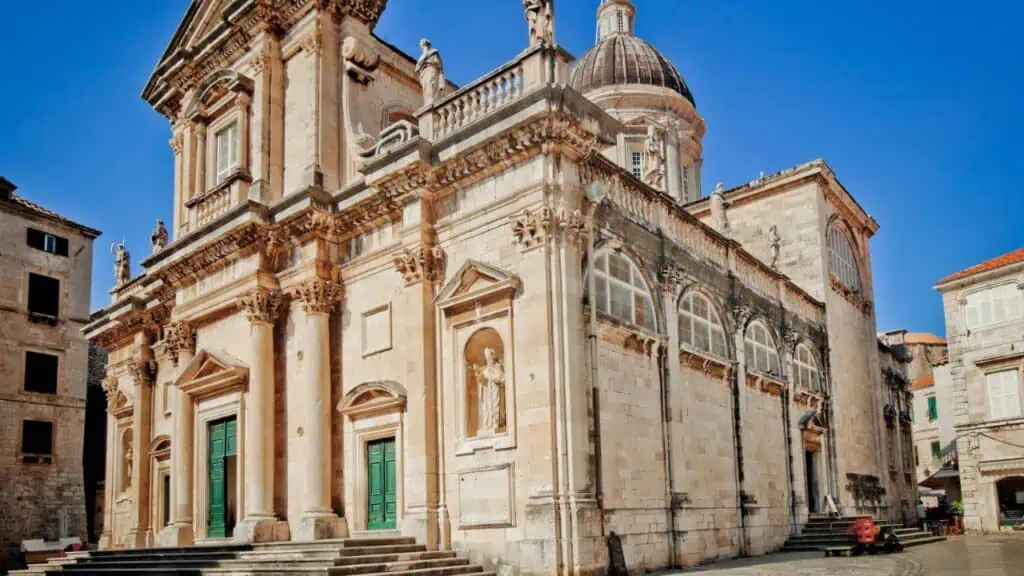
<point x="842" y="261"/>
<point x="700" y="327"/>
<point x="806" y="369"/>
<point x="621" y="291"/>
<point x="760" y="351"/>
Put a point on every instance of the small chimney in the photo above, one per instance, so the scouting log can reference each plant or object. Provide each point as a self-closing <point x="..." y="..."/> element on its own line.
<point x="6" y="188"/>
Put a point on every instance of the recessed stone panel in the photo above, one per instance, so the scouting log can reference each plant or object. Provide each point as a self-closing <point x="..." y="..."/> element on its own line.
<point x="485" y="497"/>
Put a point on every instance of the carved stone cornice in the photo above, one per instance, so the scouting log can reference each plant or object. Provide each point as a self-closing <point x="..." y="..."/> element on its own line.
<point x="629" y="340"/>
<point x="711" y="367"/>
<point x="319" y="296"/>
<point x="854" y="298"/>
<point x="418" y="264"/>
<point x="130" y="324"/>
<point x="232" y="245"/>
<point x="179" y="337"/>
<point x="769" y="386"/>
<point x="261" y="305"/>
<point x="555" y="131"/>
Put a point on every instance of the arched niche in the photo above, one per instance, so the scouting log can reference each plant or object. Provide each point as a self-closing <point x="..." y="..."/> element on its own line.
<point x="485" y="384"/>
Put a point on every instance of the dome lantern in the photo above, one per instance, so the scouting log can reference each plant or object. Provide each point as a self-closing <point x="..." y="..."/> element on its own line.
<point x="615" y="17"/>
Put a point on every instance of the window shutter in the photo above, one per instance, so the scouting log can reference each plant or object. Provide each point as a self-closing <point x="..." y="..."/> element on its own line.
<point x="35" y="239"/>
<point x="43" y="295"/>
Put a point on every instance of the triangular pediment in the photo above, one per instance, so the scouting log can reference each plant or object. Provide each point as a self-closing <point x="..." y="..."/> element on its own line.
<point x="476" y="279"/>
<point x="212" y="370"/>
<point x="209" y="17"/>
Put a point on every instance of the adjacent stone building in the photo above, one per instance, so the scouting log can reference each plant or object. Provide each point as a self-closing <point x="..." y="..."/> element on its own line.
<point x="45" y="282"/>
<point x="984" y="312"/>
<point x="493" y="317"/>
<point x="897" y="403"/>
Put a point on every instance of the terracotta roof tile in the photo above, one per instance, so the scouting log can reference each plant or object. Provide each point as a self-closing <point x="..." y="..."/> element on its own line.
<point x="1005" y="260"/>
<point x="923" y="338"/>
<point x="30" y="206"/>
<point x="926" y="382"/>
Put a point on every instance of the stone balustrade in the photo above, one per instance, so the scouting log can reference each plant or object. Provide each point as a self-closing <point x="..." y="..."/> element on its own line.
<point x="492" y="92"/>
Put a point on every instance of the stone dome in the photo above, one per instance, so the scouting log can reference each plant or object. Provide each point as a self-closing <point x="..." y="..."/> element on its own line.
<point x="621" y="59"/>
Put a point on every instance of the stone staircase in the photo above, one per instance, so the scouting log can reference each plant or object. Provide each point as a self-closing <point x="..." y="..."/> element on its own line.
<point x="822" y="531"/>
<point x="393" y="556"/>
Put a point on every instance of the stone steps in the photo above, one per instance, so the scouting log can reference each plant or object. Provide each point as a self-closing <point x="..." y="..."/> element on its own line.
<point x="820" y="533"/>
<point x="392" y="556"/>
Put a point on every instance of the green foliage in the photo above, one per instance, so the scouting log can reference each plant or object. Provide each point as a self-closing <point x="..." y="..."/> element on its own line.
<point x="957" y="508"/>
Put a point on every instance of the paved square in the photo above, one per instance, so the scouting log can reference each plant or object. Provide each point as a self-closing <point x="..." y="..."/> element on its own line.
<point x="958" y="556"/>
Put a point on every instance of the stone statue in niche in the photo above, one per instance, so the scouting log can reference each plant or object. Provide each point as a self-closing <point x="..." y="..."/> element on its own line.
<point x="128" y="457"/>
<point x="485" y="384"/>
<point x="430" y="69"/>
<point x="490" y="379"/>
<point x="654" y="173"/>
<point x="159" y="237"/>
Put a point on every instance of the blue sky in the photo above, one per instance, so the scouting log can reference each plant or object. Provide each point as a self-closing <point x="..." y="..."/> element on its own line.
<point x="915" y="104"/>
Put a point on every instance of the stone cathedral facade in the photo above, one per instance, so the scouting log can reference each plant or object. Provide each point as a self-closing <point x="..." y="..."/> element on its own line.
<point x="501" y="318"/>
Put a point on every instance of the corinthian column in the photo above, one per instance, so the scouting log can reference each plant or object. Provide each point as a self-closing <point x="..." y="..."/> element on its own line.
<point x="318" y="298"/>
<point x="180" y="340"/>
<point x="261" y="307"/>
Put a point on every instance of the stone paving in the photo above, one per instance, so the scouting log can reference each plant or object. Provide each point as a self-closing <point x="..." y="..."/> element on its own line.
<point x="958" y="556"/>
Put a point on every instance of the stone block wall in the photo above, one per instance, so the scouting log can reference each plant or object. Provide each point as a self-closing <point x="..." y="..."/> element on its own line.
<point x="42" y="499"/>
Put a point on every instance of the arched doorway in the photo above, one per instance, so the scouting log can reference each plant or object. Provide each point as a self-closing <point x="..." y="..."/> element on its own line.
<point x="1010" y="492"/>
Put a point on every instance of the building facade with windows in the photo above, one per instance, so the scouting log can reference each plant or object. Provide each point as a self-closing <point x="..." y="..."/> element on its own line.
<point x="490" y="317"/>
<point x="984" y="310"/>
<point x="46" y="278"/>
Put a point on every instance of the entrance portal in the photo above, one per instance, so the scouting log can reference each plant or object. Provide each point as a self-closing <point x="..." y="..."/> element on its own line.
<point x="1011" y="501"/>
<point x="380" y="466"/>
<point x="811" y="481"/>
<point x="223" y="457"/>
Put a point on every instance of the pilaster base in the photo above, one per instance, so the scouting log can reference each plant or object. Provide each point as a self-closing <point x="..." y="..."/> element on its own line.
<point x="262" y="529"/>
<point x="137" y="539"/>
<point x="176" y="536"/>
<point x="105" y="541"/>
<point x="320" y="528"/>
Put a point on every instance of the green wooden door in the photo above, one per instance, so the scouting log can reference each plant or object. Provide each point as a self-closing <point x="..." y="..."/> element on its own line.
<point x="383" y="505"/>
<point x="223" y="444"/>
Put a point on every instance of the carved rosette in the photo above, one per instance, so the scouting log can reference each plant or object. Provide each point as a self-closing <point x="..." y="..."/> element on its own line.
<point x="261" y="305"/>
<point x="319" y="296"/>
<point x="417" y="264"/>
<point x="178" y="338"/>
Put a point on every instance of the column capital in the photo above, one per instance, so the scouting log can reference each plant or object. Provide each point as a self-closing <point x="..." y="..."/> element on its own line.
<point x="421" y="263"/>
<point x="261" y="305"/>
<point x="319" y="296"/>
<point x="179" y="337"/>
<point x="177" y="142"/>
<point x="140" y="372"/>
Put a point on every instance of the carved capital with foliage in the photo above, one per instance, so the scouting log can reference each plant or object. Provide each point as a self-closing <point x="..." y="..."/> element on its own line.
<point x="140" y="372"/>
<point x="319" y="296"/>
<point x="418" y="264"/>
<point x="179" y="337"/>
<point x="261" y="305"/>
